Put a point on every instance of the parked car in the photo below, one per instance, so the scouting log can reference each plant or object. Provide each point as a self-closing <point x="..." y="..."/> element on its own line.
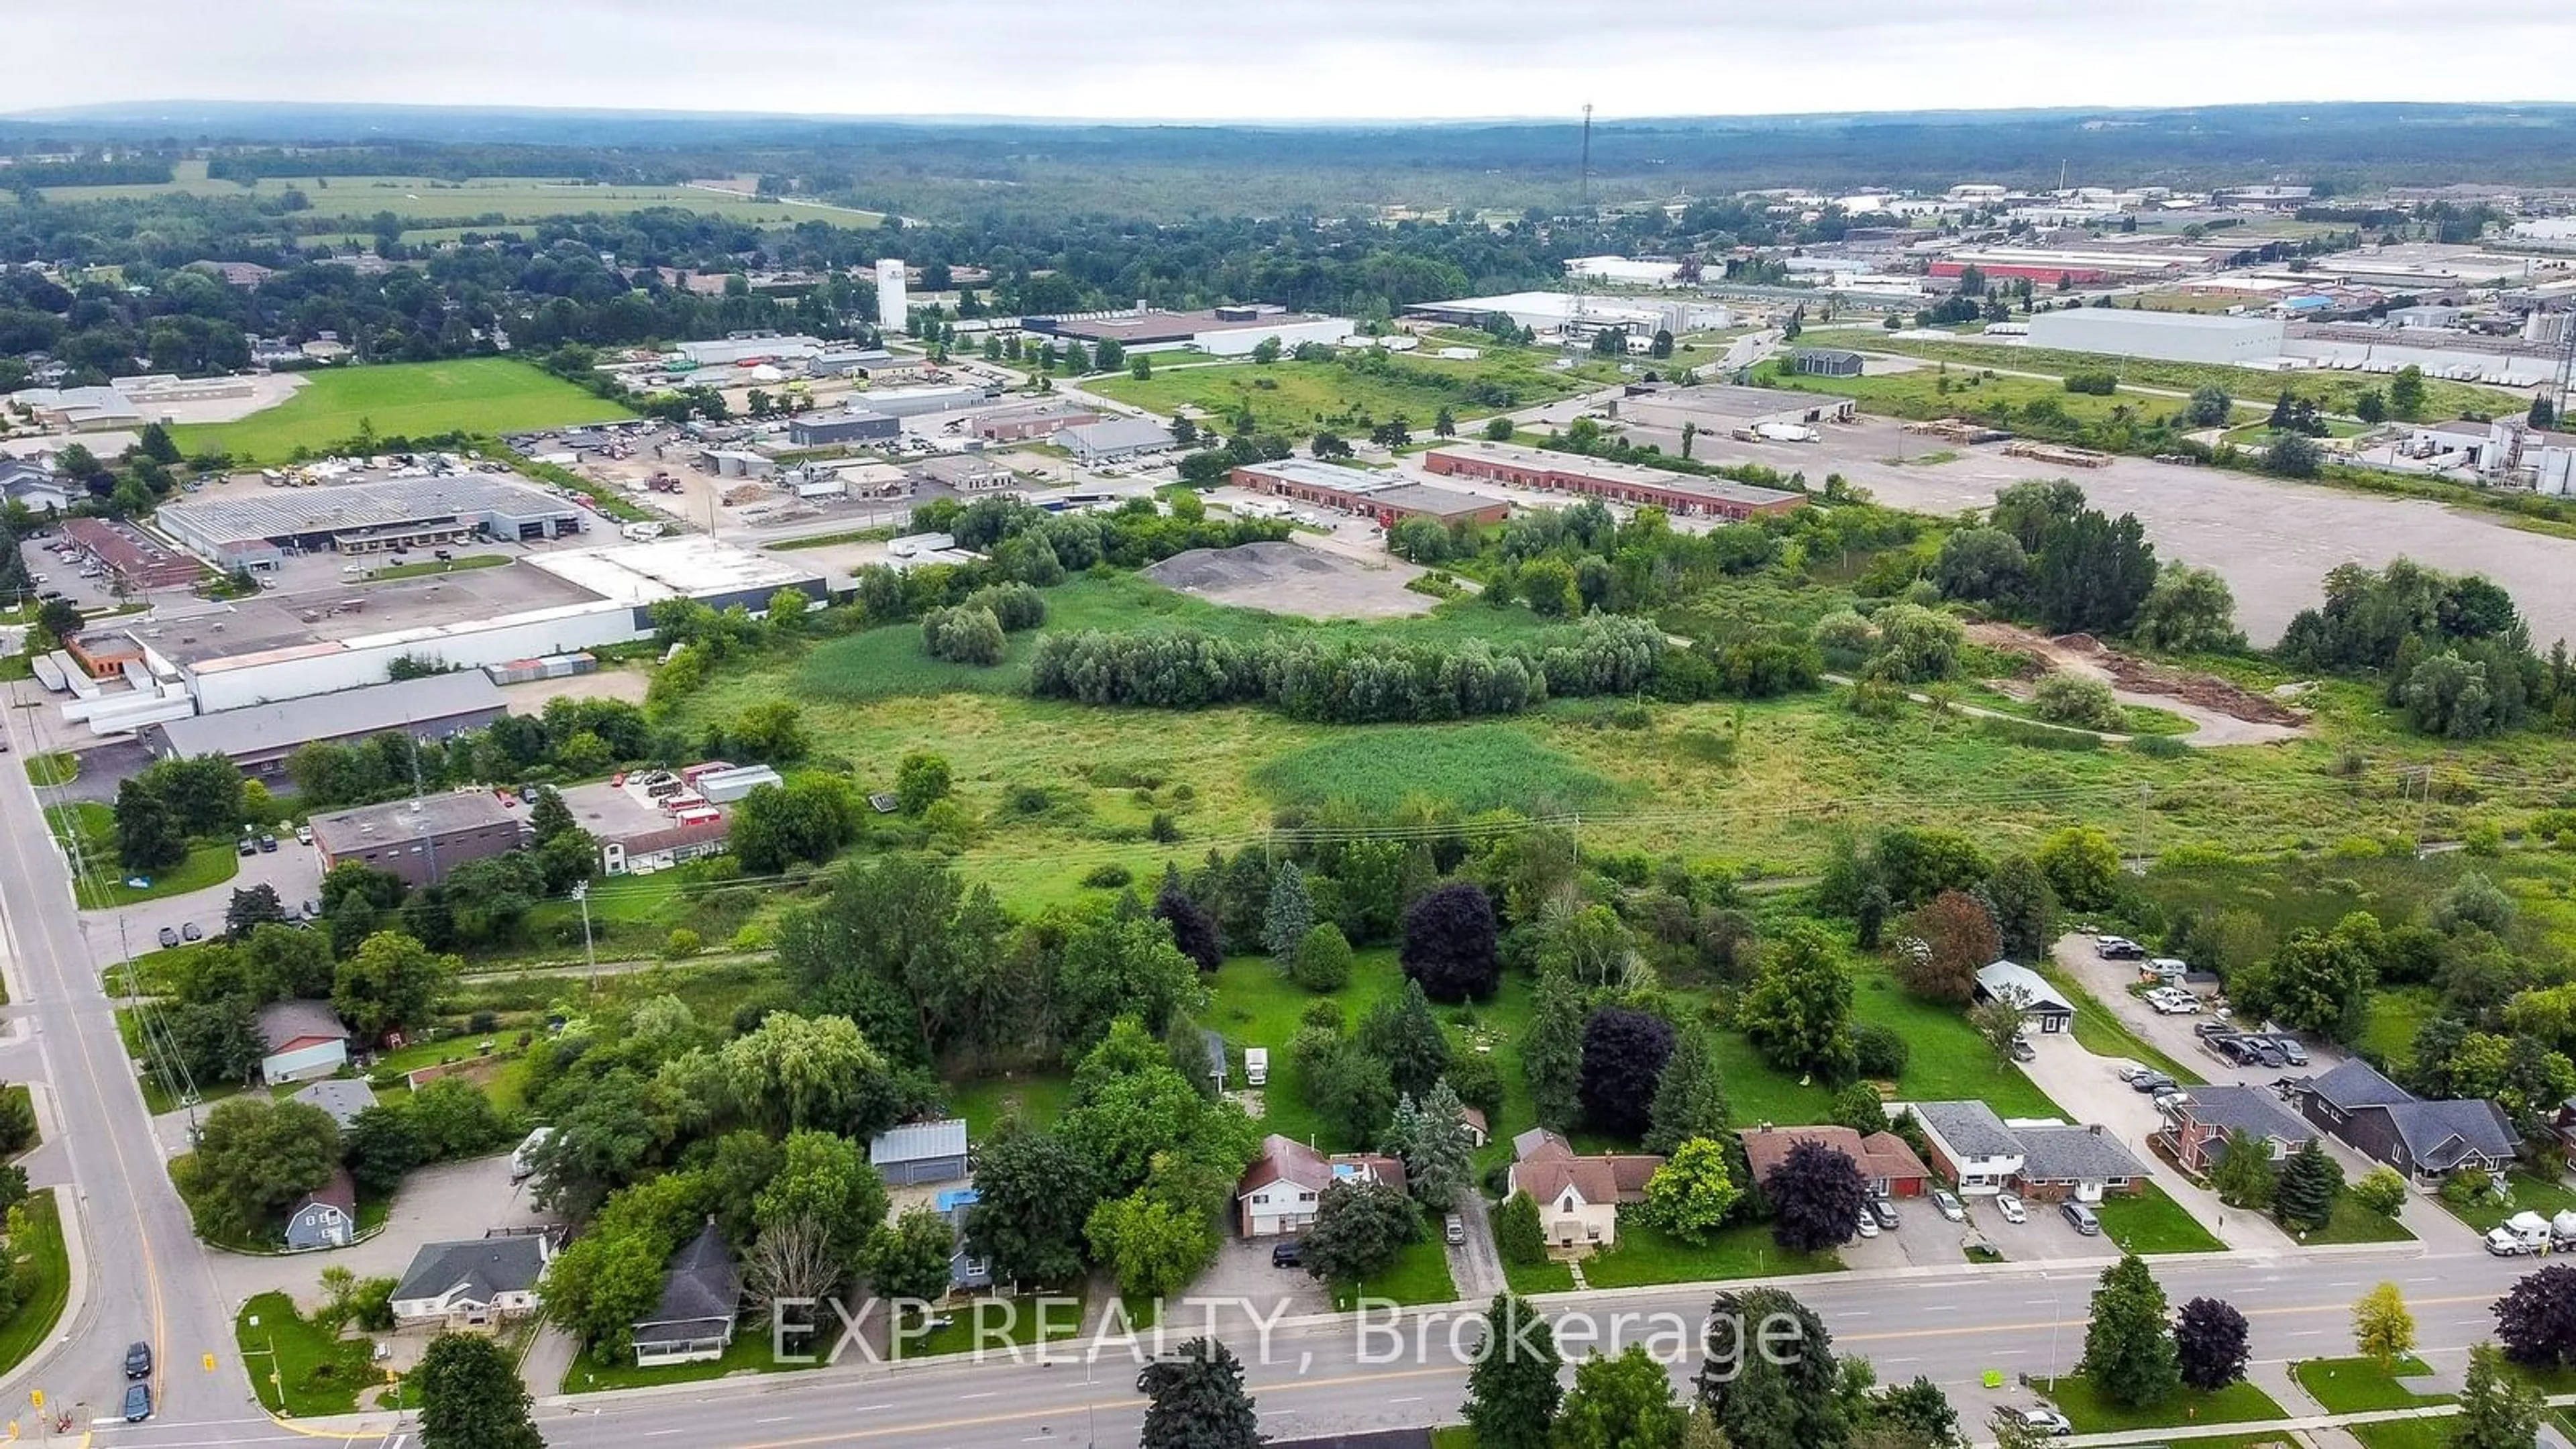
<point x="1949" y="1205"/>
<point x="1883" y="1208"/>
<point x="2119" y="948"/>
<point x="2209" y="1028"/>
<point x="138" y="1403"/>
<point x="2129" y="1071"/>
<point x="2170" y="1098"/>
<point x="246" y="846"/>
<point x="138" y="1360"/>
<point x="2046" y="1420"/>
<point x="1867" y="1227"/>
<point x="304" y="835"/>
<point x="192" y="932"/>
<point x="268" y="842"/>
<point x="2152" y="1082"/>
<point x="2010" y="1206"/>
<point x="1290" y="1254"/>
<point x="2023" y="1051"/>
<point x="2295" y="1053"/>
<point x="1453" y="1230"/>
<point x="2270" y="1054"/>
<point x="2081" y="1218"/>
<point x="169" y="935"/>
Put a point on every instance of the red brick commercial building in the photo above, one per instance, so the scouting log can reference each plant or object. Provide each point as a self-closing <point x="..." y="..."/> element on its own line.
<point x="1385" y="497"/>
<point x="1683" y="495"/>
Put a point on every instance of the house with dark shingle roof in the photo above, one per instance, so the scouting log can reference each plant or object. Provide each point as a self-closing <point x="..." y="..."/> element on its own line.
<point x="343" y="1097"/>
<point x="1982" y="1154"/>
<point x="2386" y="1123"/>
<point x="2196" y="1131"/>
<point x="1882" y="1157"/>
<point x="327" y="1217"/>
<point x="304" y="1039"/>
<point x="475" y="1283"/>
<point x="701" y="1294"/>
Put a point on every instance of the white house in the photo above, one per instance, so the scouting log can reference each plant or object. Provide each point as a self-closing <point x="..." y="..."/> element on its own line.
<point x="1279" y="1193"/>
<point x="1578" y="1197"/>
<point x="304" y="1039"/>
<point x="477" y="1283"/>
<point x="328" y="1216"/>
<point x="1970" y="1145"/>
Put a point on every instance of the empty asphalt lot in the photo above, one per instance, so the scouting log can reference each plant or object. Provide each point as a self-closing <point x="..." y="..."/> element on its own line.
<point x="2272" y="541"/>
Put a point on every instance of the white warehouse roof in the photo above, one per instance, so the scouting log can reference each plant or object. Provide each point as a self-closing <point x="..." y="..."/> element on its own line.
<point x="693" y="565"/>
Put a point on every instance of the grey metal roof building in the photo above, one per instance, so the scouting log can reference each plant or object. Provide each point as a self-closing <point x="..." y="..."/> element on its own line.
<point x="1115" y="438"/>
<point x="362" y="514"/>
<point x="343" y="1097"/>
<point x="921" y="1152"/>
<point x="848" y="425"/>
<point x="420" y="840"/>
<point x="259" y="738"/>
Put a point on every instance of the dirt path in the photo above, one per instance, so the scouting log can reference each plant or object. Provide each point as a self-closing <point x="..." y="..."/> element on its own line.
<point x="2222" y="713"/>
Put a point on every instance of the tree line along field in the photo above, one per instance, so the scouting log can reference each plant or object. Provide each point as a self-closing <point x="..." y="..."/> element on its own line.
<point x="487" y="395"/>
<point x="424" y="199"/>
<point x="1297" y="398"/>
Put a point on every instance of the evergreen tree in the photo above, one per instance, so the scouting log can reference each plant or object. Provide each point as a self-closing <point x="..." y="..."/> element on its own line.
<point x="1289" y="914"/>
<point x="1193" y="929"/>
<point x="1770" y="1377"/>
<point x="2497" y="1410"/>
<point x="1690" y="1099"/>
<point x="1552" y="1053"/>
<point x="2310" y="1183"/>
<point x="471" y="1397"/>
<point x="1198" y="1401"/>
<point x="2244" y="1176"/>
<point x="1512" y="1392"/>
<point x="2129" y="1353"/>
<point x="1432" y="1141"/>
<point x="1402" y="1032"/>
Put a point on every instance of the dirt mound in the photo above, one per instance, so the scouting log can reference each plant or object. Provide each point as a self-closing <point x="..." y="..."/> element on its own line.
<point x="1291" y="578"/>
<point x="1250" y="565"/>
<point x="2084" y="654"/>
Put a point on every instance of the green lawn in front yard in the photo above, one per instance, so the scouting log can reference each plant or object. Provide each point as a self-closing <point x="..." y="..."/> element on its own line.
<point x="2401" y="1434"/>
<point x="1948" y="1061"/>
<point x="54" y="767"/>
<point x="748" y="1353"/>
<point x="2152" y="1222"/>
<point x="2353" y="1223"/>
<point x="996" y="1323"/>
<point x="87" y="830"/>
<point x="1529" y="1278"/>
<point x="1453" y="1436"/>
<point x="984" y="1102"/>
<point x="2545" y="1196"/>
<point x="1647" y="1254"/>
<point x="297" y="1368"/>
<point x="1420" y="1275"/>
<point x="48" y="1284"/>
<point x="2090" y="1413"/>
<point x="2257" y="1439"/>
<point x="2360" y="1385"/>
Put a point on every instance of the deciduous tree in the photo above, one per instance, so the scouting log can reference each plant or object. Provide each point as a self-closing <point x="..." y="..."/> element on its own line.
<point x="2383" y="1331"/>
<point x="471" y="1396"/>
<point x="1450" y="943"/>
<point x="1691" y="1194"/>
<point x="1944" y="944"/>
<point x="1797" y="1012"/>
<point x="2129" y="1353"/>
<point x="908" y="1258"/>
<point x="1621" y="1402"/>
<point x="2536" y="1318"/>
<point x="1512" y="1391"/>
<point x="1817" y="1196"/>
<point x="1624" y="1053"/>
<point x="2210" y="1344"/>
<point x="1359" y="1229"/>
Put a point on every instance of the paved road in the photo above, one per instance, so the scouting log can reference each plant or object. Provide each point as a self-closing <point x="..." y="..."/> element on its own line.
<point x="147" y="1278"/>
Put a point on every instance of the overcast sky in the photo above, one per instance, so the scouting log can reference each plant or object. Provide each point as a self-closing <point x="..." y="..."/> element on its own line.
<point x="1283" y="59"/>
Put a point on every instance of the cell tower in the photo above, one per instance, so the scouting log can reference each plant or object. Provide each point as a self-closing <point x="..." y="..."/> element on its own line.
<point x="1577" y="281"/>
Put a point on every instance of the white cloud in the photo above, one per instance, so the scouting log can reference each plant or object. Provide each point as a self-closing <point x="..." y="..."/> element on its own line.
<point x="1280" y="60"/>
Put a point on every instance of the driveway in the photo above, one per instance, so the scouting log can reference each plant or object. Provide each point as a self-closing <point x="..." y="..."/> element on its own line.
<point x="295" y="870"/>
<point x="444" y="1203"/>
<point x="103" y="767"/>
<point x="1242" y="1275"/>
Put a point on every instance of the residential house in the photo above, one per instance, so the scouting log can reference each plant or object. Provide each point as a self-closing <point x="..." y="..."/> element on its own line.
<point x="1280" y="1192"/>
<point x="475" y="1283"/>
<point x="966" y="1270"/>
<point x="2045" y="1161"/>
<point x="921" y="1152"/>
<point x="343" y="1097"/>
<point x="2196" y="1131"/>
<point x="304" y="1039"/>
<point x="327" y="1217"/>
<point x="693" y="1319"/>
<point x="2386" y="1123"/>
<point x="1578" y="1197"/>
<point x="1883" y="1158"/>
<point x="1479" y="1132"/>
<point x="34" y="485"/>
<point x="2046" y="1007"/>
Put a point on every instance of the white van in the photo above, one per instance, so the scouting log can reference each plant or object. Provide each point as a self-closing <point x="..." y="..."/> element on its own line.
<point x="523" y="1161"/>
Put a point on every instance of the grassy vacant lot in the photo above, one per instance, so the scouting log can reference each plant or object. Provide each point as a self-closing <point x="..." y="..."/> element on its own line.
<point x="1930" y="393"/>
<point x="409" y="399"/>
<point x="2151" y="1222"/>
<point x="2090" y="1413"/>
<point x="49" y="1283"/>
<point x="998" y="1323"/>
<point x="2353" y="1223"/>
<point x="315" y="1372"/>
<point x="1420" y="1275"/>
<point x="2333" y="391"/>
<point x="1647" y="1254"/>
<point x="56" y="767"/>
<point x="1297" y="398"/>
<point x="2360" y="1385"/>
<point x="89" y="829"/>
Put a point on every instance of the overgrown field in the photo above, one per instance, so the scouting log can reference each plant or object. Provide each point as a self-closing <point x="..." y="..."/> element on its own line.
<point x="1928" y="392"/>
<point x="1297" y="398"/>
<point x="410" y="399"/>
<point x="355" y="199"/>
<point x="2332" y="391"/>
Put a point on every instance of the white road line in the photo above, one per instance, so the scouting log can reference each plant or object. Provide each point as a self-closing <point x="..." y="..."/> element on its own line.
<point x="779" y="1419"/>
<point x="1413" y="1399"/>
<point x="2306" y="1333"/>
<point x="871" y="1408"/>
<point x="990" y="1394"/>
<point x="658" y="1433"/>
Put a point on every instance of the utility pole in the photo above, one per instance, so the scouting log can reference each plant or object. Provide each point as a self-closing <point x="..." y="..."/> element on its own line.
<point x="581" y="893"/>
<point x="1584" y="192"/>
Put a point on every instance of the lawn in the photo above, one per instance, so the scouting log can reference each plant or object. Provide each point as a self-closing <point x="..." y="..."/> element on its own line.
<point x="1548" y="1277"/>
<point x="1420" y="1274"/>
<point x="1647" y="1254"/>
<point x="297" y="1369"/>
<point x="352" y="200"/>
<point x="986" y="1101"/>
<point x="998" y="1323"/>
<point x="54" y="767"/>
<point x="1947" y="1062"/>
<point x="2545" y="1196"/>
<point x="1474" y="767"/>
<point x="86" y="830"/>
<point x="748" y="1353"/>
<point x="1298" y="398"/>
<point x="2353" y="1223"/>
<point x="48" y="1285"/>
<point x="2151" y="1222"/>
<point x="435" y="566"/>
<point x="2360" y="1385"/>
<point x="2332" y="391"/>
<point x="411" y="399"/>
<point x="2403" y="1433"/>
<point x="2090" y="1413"/>
<point x="1928" y="392"/>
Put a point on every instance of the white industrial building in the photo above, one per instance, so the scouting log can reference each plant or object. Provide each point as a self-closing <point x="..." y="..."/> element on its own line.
<point x="894" y="309"/>
<point x="1233" y="330"/>
<point x="1561" y="313"/>
<point x="1629" y="271"/>
<point x="2164" y="336"/>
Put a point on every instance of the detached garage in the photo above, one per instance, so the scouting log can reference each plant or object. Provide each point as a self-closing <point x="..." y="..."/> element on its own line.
<point x="921" y="1152"/>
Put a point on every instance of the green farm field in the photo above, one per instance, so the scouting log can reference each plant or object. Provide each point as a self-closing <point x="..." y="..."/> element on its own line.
<point x="1299" y="397"/>
<point x="433" y="202"/>
<point x="409" y="399"/>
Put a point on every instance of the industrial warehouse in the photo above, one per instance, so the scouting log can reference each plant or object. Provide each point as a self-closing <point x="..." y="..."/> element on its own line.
<point x="1681" y="494"/>
<point x="203" y="657"/>
<point x="1218" y="331"/>
<point x="1747" y="413"/>
<point x="371" y="517"/>
<point x="1385" y="497"/>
